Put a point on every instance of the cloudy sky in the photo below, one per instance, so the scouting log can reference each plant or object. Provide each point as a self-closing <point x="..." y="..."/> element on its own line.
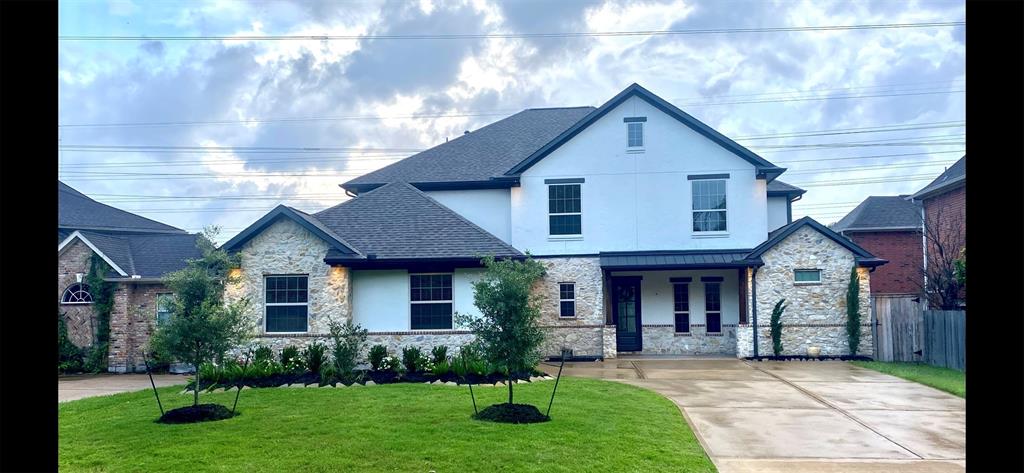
<point x="219" y="131"/>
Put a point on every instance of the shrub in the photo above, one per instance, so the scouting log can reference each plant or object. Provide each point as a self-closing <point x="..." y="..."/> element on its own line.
<point x="776" y="327"/>
<point x="288" y="354"/>
<point x="262" y="354"/>
<point x="853" y="311"/>
<point x="411" y="357"/>
<point x="376" y="356"/>
<point x="439" y="354"/>
<point x="470" y="361"/>
<point x="441" y="368"/>
<point x="348" y="341"/>
<point x="315" y="355"/>
<point x="232" y="372"/>
<point x="327" y="374"/>
<point x="391" y="363"/>
<point x="210" y="373"/>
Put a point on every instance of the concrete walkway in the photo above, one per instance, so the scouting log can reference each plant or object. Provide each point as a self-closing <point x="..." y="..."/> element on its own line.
<point x="74" y="387"/>
<point x="811" y="416"/>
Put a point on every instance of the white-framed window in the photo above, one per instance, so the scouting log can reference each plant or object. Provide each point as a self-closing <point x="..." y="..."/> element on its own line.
<point x="709" y="205"/>
<point x="713" y="306"/>
<point x="77" y="293"/>
<point x="807" y="276"/>
<point x="163" y="307"/>
<point x="287" y="303"/>
<point x="681" y="305"/>
<point x="567" y="299"/>
<point x="635" y="134"/>
<point x="430" y="298"/>
<point x="565" y="215"/>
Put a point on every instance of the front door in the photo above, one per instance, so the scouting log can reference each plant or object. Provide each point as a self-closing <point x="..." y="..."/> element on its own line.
<point x="626" y="312"/>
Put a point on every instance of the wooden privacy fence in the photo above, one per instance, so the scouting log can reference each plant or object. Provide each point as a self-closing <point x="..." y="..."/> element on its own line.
<point x="905" y="331"/>
<point x="944" y="338"/>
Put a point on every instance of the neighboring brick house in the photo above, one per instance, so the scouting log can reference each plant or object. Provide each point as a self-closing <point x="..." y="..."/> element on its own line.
<point x="139" y="251"/>
<point x="890" y="228"/>
<point x="659" y="234"/>
<point x="944" y="201"/>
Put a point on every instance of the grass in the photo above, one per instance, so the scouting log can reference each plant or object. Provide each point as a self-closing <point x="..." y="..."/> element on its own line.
<point x="945" y="379"/>
<point x="596" y="426"/>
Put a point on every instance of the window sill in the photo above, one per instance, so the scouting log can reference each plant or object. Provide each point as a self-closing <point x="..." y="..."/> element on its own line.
<point x="565" y="237"/>
<point x="569" y="317"/>
<point x="713" y="334"/>
<point x="284" y="334"/>
<point x="807" y="283"/>
<point x="635" y="151"/>
<point x="684" y="334"/>
<point x="709" y="234"/>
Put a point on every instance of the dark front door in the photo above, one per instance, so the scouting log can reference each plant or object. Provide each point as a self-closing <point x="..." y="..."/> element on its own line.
<point x="626" y="312"/>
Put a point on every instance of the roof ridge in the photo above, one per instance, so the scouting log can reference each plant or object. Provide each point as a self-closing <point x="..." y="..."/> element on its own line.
<point x="127" y="212"/>
<point x="456" y="214"/>
<point x="558" y="108"/>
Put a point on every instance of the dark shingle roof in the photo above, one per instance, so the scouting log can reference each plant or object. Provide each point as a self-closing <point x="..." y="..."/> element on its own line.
<point x="882" y="212"/>
<point x="147" y="255"/>
<point x="949" y="178"/>
<point x="76" y="211"/>
<point x="777" y="187"/>
<point x="397" y="221"/>
<point x="480" y="155"/>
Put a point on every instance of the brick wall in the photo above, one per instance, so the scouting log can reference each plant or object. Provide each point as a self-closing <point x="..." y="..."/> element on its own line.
<point x="80" y="318"/>
<point x="903" y="273"/>
<point x="132" y="321"/>
<point x="949" y="212"/>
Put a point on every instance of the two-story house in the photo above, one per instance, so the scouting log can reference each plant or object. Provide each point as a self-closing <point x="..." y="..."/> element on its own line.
<point x="890" y="227"/>
<point x="659" y="234"/>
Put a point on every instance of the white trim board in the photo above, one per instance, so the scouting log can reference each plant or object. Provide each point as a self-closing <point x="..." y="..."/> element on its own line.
<point x="77" y="234"/>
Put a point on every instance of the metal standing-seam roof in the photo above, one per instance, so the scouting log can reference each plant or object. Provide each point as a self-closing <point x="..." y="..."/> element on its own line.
<point x="695" y="259"/>
<point x="882" y="213"/>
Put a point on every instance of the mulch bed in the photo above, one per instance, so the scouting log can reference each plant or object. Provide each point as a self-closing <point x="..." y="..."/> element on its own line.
<point x="512" y="414"/>
<point x="192" y="414"/>
<point x="809" y="358"/>
<point x="378" y="377"/>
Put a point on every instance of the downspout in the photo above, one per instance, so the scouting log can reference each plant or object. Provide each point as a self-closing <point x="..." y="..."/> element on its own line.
<point x="924" y="250"/>
<point x="753" y="306"/>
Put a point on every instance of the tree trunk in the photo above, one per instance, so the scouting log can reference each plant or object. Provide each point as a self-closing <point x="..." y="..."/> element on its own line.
<point x="510" y="386"/>
<point x="195" y="392"/>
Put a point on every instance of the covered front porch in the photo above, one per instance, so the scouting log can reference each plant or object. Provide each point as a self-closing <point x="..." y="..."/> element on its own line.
<point x="674" y="302"/>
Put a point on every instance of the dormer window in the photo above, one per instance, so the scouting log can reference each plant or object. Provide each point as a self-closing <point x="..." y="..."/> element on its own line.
<point x="635" y="132"/>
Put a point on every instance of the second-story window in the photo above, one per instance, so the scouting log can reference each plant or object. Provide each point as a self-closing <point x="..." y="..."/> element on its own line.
<point x="709" y="206"/>
<point x="564" y="215"/>
<point x="635" y="134"/>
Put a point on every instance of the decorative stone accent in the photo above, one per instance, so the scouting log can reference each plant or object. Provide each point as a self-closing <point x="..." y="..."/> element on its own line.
<point x="583" y="341"/>
<point x="815" y="313"/>
<point x="665" y="340"/>
<point x="584" y="333"/>
<point x="285" y="248"/>
<point x="610" y="341"/>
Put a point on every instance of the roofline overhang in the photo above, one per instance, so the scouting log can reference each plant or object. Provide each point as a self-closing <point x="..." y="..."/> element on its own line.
<point x="677" y="267"/>
<point x="121" y="230"/>
<point x="76" y="234"/>
<point x="283" y="211"/>
<point x="880" y="229"/>
<point x="136" y="280"/>
<point x="871" y="262"/>
<point x="503" y="182"/>
<point x="793" y="195"/>
<point x="940" y="189"/>
<point x="413" y="263"/>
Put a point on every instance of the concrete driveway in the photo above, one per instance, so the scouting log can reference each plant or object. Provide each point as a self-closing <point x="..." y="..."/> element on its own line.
<point x="811" y="416"/>
<point x="70" y="388"/>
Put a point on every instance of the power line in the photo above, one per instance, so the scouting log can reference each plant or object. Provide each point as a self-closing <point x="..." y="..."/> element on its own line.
<point x="588" y="34"/>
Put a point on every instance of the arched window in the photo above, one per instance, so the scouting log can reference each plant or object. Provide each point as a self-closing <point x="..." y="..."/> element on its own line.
<point x="77" y="293"/>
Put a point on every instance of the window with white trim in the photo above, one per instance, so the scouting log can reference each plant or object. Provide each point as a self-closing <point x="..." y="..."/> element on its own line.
<point x="287" y="304"/>
<point x="709" y="205"/>
<point x="77" y="293"/>
<point x="164" y="302"/>
<point x="635" y="134"/>
<point x="681" y="299"/>
<point x="713" y="307"/>
<point x="430" y="297"/>
<point x="564" y="210"/>
<point x="567" y="299"/>
<point x="807" y="276"/>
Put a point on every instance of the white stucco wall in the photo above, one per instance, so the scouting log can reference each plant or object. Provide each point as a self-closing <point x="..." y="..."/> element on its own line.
<point x="657" y="302"/>
<point x="777" y="214"/>
<point x="487" y="208"/>
<point x="638" y="201"/>
<point x="380" y="298"/>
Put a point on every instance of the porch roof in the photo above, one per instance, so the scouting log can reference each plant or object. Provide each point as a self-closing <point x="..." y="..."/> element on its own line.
<point x="690" y="259"/>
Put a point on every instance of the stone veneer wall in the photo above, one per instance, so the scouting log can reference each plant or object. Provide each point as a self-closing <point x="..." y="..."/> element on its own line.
<point x="79" y="318"/>
<point x="663" y="340"/>
<point x="585" y="333"/>
<point x="132" y="321"/>
<point x="815" y="313"/>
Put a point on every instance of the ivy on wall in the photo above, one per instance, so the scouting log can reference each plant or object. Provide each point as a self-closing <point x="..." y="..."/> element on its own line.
<point x="103" y="303"/>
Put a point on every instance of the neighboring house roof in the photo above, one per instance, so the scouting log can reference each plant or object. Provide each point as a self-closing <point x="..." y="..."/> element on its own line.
<point x="951" y="178"/>
<point x="764" y="168"/>
<point x="305" y="220"/>
<point x="694" y="259"/>
<point x="877" y="213"/>
<point x="863" y="257"/>
<point x="477" y="157"/>
<point x="75" y="211"/>
<point x="779" y="188"/>
<point x="495" y="155"/>
<point x="400" y="223"/>
<point x="141" y="255"/>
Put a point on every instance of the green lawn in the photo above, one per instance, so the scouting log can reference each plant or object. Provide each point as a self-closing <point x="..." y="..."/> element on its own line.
<point x="946" y="379"/>
<point x="596" y="426"/>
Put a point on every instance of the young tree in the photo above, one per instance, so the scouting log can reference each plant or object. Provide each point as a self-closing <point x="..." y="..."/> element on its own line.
<point x="202" y="328"/>
<point x="944" y="241"/>
<point x="853" y="311"/>
<point x="776" y="326"/>
<point x="507" y="331"/>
